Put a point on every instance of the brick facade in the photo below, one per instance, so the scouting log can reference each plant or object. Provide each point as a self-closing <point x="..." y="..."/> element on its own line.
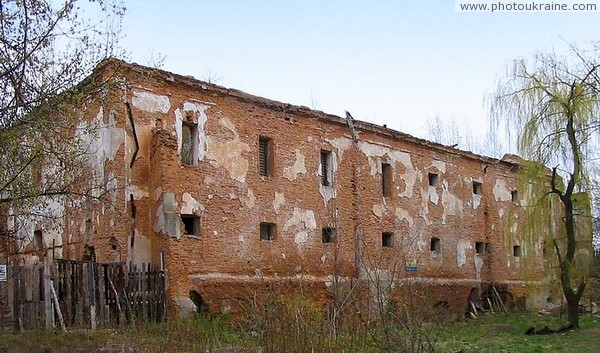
<point x="230" y="191"/>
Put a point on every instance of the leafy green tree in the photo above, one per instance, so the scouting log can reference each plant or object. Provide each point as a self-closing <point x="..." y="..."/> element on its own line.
<point x="552" y="104"/>
<point x="46" y="48"/>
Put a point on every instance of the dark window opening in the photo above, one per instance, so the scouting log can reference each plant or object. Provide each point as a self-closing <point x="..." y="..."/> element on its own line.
<point x="191" y="224"/>
<point x="201" y="305"/>
<point x="434" y="179"/>
<point x="131" y="206"/>
<point x="514" y="196"/>
<point x="267" y="231"/>
<point x="386" y="179"/>
<point x="477" y="187"/>
<point x="89" y="254"/>
<point x="326" y="160"/>
<point x="516" y="251"/>
<point x="113" y="243"/>
<point x="442" y="305"/>
<point x="387" y="239"/>
<point x="479" y="247"/>
<point x="38" y="240"/>
<point x="189" y="142"/>
<point x="436" y="245"/>
<point x="328" y="235"/>
<point x="265" y="156"/>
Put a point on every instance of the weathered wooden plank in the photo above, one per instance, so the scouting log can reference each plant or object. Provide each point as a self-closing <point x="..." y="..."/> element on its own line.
<point x="48" y="312"/>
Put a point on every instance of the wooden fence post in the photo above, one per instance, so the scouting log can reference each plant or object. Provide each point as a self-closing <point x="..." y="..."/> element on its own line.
<point x="48" y="313"/>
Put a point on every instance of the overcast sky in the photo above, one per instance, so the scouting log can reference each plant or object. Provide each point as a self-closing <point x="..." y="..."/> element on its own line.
<point x="387" y="62"/>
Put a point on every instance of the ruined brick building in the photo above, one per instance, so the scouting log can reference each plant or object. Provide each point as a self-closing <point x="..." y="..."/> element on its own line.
<point x="227" y="190"/>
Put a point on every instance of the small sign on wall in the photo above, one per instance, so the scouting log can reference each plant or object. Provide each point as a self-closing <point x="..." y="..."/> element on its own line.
<point x="2" y="273"/>
<point x="411" y="266"/>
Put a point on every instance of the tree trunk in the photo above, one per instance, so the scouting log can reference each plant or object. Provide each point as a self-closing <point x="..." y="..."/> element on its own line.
<point x="573" y="308"/>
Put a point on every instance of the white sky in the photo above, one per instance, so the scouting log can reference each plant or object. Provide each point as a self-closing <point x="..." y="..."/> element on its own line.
<point x="387" y="62"/>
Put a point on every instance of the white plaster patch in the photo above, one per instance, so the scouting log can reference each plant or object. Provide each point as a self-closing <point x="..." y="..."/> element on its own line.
<point x="453" y="206"/>
<point x="341" y="144"/>
<point x="374" y="152"/>
<point x="278" y="201"/>
<point x="402" y="214"/>
<point x="439" y="165"/>
<point x="478" y="266"/>
<point x="291" y="172"/>
<point x="201" y="138"/>
<point x="190" y="205"/>
<point x="424" y="211"/>
<point x="461" y="248"/>
<point x="328" y="193"/>
<point x="137" y="192"/>
<point x="476" y="201"/>
<point x="301" y="238"/>
<point x="150" y="102"/>
<point x="228" y="153"/>
<point x="301" y="216"/>
<point x="378" y="210"/>
<point x="101" y="142"/>
<point x="249" y="200"/>
<point x="501" y="212"/>
<point x="140" y="253"/>
<point x="433" y="196"/>
<point x="501" y="192"/>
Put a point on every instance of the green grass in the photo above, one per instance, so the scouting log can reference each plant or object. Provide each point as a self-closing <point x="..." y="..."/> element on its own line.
<point x="506" y="333"/>
<point x="489" y="333"/>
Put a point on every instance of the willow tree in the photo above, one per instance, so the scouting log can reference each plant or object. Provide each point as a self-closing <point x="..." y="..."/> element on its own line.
<point x="46" y="48"/>
<point x="552" y="104"/>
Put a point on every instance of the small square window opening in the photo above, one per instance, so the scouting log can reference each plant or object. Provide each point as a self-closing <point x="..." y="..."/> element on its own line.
<point x="38" y="240"/>
<point x="434" y="179"/>
<point x="328" y="235"/>
<point x="514" y="196"/>
<point x="479" y="247"/>
<point x="267" y="231"/>
<point x="516" y="251"/>
<point x="477" y="188"/>
<point x="191" y="224"/>
<point x="387" y="239"/>
<point x="436" y="245"/>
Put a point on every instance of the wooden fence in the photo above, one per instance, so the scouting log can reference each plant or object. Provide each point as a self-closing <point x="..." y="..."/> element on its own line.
<point x="84" y="294"/>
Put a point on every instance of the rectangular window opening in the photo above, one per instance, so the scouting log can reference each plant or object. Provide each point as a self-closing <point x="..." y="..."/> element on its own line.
<point x="38" y="240"/>
<point x="267" y="231"/>
<point x="386" y="179"/>
<point x="387" y="239"/>
<point x="480" y="247"/>
<point x="436" y="245"/>
<point x="326" y="166"/>
<point x="434" y="179"/>
<point x="191" y="224"/>
<point x="328" y="235"/>
<point x="477" y="188"/>
<point x="265" y="156"/>
<point x="514" y="196"/>
<point x="189" y="142"/>
<point x="516" y="251"/>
